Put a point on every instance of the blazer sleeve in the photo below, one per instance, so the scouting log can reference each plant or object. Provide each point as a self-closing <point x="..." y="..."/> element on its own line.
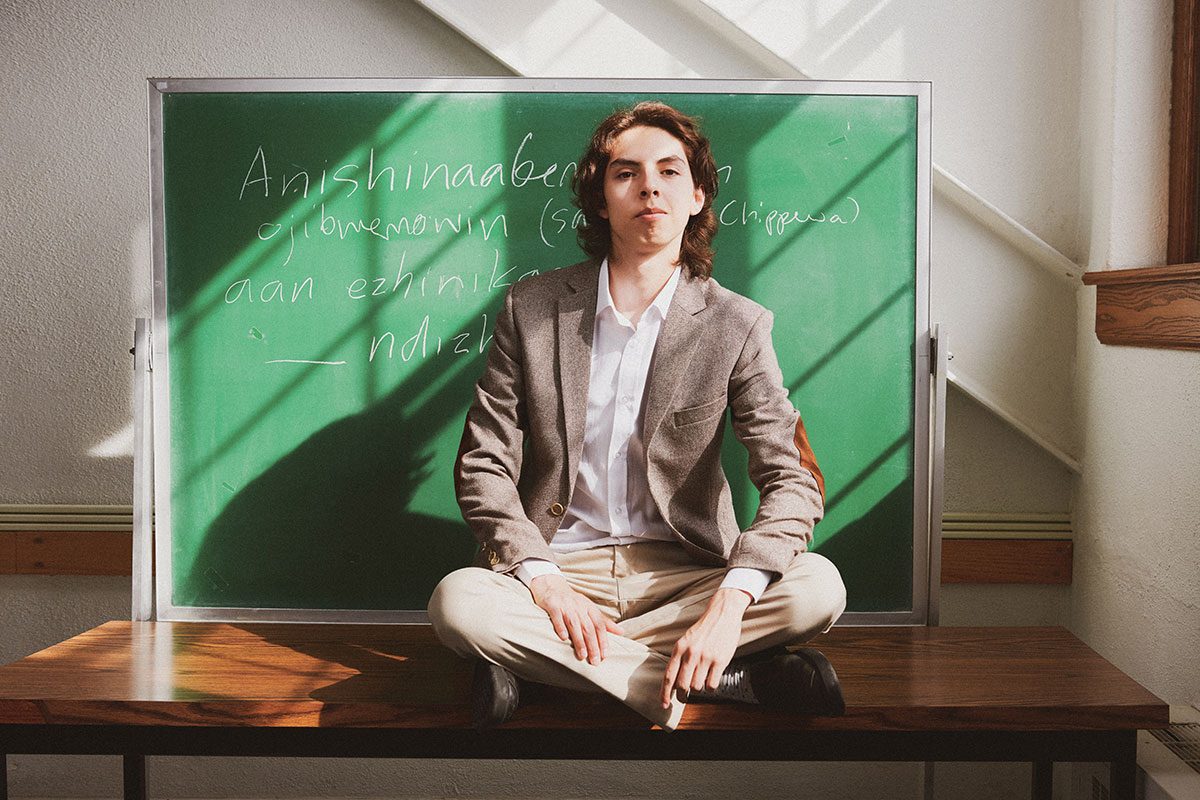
<point x="488" y="466"/>
<point x="764" y="421"/>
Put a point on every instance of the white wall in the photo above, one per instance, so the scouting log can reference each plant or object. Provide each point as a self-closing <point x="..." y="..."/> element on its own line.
<point x="1136" y="596"/>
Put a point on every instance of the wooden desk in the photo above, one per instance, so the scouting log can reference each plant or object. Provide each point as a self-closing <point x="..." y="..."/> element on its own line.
<point x="912" y="694"/>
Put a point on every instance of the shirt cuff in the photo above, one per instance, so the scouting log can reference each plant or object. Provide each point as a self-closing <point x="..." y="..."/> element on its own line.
<point x="530" y="568"/>
<point x="749" y="579"/>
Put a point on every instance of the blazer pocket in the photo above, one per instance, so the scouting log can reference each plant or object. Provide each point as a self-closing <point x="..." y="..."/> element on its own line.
<point x="690" y="416"/>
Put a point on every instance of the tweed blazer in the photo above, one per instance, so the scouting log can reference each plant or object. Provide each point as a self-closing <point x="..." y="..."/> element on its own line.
<point x="524" y="431"/>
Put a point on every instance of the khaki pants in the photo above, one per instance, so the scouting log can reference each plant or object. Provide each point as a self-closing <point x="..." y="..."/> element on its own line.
<point x="652" y="590"/>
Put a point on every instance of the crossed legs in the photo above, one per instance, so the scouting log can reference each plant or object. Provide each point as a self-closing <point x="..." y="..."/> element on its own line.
<point x="653" y="591"/>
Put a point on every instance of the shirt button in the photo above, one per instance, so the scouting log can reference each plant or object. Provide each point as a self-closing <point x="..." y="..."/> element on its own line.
<point x="557" y="509"/>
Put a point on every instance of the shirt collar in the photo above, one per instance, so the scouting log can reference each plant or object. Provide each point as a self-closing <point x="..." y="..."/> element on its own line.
<point x="662" y="301"/>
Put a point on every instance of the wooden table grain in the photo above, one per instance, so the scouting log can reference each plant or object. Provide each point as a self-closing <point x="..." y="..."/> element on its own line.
<point x="912" y="693"/>
<point x="320" y="675"/>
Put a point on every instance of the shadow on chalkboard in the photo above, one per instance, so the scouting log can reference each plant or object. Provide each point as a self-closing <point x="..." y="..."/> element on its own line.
<point x="868" y="581"/>
<point x="841" y="191"/>
<point x="329" y="525"/>
<point x="735" y="459"/>
<point x="343" y="133"/>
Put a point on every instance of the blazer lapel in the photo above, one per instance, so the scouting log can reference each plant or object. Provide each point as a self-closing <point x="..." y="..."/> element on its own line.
<point x="677" y="342"/>
<point x="576" y="328"/>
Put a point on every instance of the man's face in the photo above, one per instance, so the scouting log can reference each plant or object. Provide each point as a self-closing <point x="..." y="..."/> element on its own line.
<point x="649" y="195"/>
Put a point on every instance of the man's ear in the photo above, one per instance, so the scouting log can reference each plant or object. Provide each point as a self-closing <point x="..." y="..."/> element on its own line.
<point x="697" y="201"/>
<point x="603" y="212"/>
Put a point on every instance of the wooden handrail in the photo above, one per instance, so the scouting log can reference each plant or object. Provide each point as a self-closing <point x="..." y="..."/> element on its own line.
<point x="1148" y="307"/>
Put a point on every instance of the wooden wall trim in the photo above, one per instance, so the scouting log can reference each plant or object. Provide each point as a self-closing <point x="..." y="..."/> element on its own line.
<point x="1183" y="183"/>
<point x="1140" y="275"/>
<point x="108" y="553"/>
<point x="1152" y="307"/>
<point x="8" y="554"/>
<point x="1160" y="306"/>
<point x="1006" y="561"/>
<point x="66" y="553"/>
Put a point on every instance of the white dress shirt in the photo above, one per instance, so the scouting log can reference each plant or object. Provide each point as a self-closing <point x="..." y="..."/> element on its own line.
<point x="611" y="503"/>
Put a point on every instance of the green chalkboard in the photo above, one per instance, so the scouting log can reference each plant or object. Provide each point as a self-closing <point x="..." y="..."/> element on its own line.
<point x="332" y="264"/>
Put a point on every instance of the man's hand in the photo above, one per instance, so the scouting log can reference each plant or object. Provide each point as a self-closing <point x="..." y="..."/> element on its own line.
<point x="575" y="618"/>
<point x="703" y="652"/>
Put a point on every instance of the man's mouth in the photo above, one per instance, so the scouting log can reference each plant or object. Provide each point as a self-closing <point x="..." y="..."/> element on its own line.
<point x="649" y="212"/>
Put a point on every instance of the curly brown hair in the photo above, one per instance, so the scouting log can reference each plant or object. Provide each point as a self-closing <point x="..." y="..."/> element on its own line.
<point x="587" y="183"/>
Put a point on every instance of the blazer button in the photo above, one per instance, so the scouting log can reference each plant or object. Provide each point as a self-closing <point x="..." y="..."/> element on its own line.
<point x="557" y="509"/>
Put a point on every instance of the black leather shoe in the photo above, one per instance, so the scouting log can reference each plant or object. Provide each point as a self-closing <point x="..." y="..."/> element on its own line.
<point x="802" y="681"/>
<point x="494" y="695"/>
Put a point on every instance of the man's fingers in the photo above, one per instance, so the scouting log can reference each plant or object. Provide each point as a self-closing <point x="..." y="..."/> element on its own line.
<point x="613" y="627"/>
<point x="669" y="679"/>
<point x="560" y="625"/>
<point x="598" y="619"/>
<point x="589" y="638"/>
<point x="714" y="676"/>
<point x="701" y="677"/>
<point x="576" y="635"/>
<point x="687" y="668"/>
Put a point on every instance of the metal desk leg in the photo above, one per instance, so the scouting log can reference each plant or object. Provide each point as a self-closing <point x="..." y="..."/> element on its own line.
<point x="1043" y="780"/>
<point x="1122" y="771"/>
<point x="135" y="777"/>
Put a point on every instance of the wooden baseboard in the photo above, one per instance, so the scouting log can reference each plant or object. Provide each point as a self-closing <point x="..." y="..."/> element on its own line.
<point x="8" y="554"/>
<point x="97" y="540"/>
<point x="66" y="553"/>
<point x="1031" y="561"/>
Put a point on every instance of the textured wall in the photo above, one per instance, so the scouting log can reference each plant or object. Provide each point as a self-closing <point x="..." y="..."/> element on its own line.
<point x="1136" y="597"/>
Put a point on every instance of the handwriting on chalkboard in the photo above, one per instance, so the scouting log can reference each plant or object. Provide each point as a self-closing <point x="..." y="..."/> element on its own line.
<point x="410" y="225"/>
<point x="459" y="344"/>
<point x="520" y="172"/>
<point x="441" y="201"/>
<point x="346" y="179"/>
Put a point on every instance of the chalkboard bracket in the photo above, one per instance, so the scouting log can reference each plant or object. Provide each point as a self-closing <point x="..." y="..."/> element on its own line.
<point x="939" y="357"/>
<point x="142" y="604"/>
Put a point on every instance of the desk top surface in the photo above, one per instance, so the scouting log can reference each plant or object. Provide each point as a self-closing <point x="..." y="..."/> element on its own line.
<point x="352" y="676"/>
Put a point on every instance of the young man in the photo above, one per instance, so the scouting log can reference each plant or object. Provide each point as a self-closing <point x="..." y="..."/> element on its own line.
<point x="590" y="466"/>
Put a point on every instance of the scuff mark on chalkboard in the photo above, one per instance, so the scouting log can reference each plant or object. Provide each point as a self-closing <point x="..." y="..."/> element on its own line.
<point x="215" y="580"/>
<point x="255" y="333"/>
<point x="229" y="487"/>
